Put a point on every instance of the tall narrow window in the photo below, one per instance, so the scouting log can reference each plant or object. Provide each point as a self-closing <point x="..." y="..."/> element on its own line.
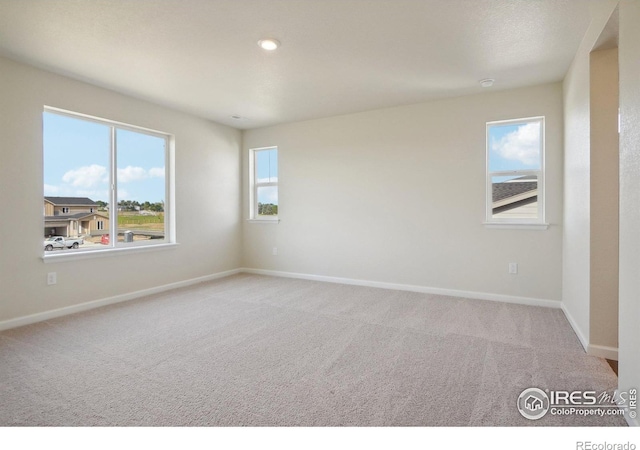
<point x="515" y="171"/>
<point x="264" y="183"/>
<point x="111" y="178"/>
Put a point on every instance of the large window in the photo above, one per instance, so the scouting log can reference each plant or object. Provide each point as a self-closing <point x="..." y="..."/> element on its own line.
<point x="106" y="184"/>
<point x="515" y="171"/>
<point x="264" y="183"/>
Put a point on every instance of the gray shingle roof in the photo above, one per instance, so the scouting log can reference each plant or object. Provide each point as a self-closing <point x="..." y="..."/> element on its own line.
<point x="80" y="215"/>
<point x="72" y="201"/>
<point x="511" y="189"/>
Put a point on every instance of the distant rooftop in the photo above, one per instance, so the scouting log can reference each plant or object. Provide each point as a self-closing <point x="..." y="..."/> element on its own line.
<point x="71" y="201"/>
<point x="68" y="217"/>
<point x="512" y="188"/>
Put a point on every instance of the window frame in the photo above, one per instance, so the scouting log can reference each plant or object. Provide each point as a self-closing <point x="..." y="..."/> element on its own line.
<point x="254" y="185"/>
<point x="169" y="187"/>
<point x="540" y="220"/>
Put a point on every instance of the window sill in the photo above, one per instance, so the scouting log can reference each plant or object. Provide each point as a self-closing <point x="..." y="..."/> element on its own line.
<point x="517" y="226"/>
<point x="64" y="256"/>
<point x="265" y="221"/>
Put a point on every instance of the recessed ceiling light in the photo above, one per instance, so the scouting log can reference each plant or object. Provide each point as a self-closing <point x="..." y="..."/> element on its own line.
<point x="269" y="44"/>
<point x="487" y="82"/>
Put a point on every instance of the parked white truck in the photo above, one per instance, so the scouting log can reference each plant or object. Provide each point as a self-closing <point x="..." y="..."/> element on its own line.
<point x="62" y="242"/>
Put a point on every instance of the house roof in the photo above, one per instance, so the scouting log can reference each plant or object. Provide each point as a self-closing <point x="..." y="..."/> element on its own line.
<point x="77" y="216"/>
<point x="71" y="201"/>
<point x="513" y="188"/>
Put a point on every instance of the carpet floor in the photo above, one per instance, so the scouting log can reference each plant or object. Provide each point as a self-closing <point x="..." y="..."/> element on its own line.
<point x="252" y="350"/>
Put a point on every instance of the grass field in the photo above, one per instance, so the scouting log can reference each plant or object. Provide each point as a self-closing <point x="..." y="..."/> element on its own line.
<point x="140" y="222"/>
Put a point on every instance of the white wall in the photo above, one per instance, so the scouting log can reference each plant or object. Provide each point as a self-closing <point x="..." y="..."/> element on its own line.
<point x="629" y="303"/>
<point x="577" y="171"/>
<point x="207" y="197"/>
<point x="398" y="195"/>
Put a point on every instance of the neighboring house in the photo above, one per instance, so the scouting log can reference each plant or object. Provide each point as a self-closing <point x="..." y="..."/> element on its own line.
<point x="517" y="198"/>
<point x="73" y="216"/>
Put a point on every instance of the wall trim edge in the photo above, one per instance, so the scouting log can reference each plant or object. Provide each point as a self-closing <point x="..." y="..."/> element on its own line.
<point x="603" y="351"/>
<point x="576" y="329"/>
<point x="530" y="301"/>
<point x="59" y="312"/>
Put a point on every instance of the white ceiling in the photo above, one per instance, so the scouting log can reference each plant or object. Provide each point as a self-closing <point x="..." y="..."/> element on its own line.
<point x="336" y="57"/>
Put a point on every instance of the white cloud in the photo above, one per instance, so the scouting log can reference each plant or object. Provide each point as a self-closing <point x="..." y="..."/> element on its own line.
<point x="123" y="194"/>
<point x="92" y="181"/>
<point x="268" y="194"/>
<point x="51" y="190"/>
<point x="69" y="191"/>
<point x="521" y="145"/>
<point x="86" y="176"/>
<point x="131" y="173"/>
<point x="157" y="172"/>
<point x="92" y="194"/>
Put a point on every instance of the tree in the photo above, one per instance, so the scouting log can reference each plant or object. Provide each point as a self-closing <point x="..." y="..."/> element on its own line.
<point x="267" y="209"/>
<point x="128" y="205"/>
<point x="134" y="205"/>
<point x="157" y="207"/>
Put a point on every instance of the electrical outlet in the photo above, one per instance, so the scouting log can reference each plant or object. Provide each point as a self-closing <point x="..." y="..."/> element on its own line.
<point x="52" y="278"/>
<point x="513" y="268"/>
<point x="274" y="252"/>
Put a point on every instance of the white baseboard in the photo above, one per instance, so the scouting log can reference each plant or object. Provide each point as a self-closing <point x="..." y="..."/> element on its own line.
<point x="46" y="315"/>
<point x="576" y="329"/>
<point x="603" y="351"/>
<point x="412" y="288"/>
<point x="600" y="351"/>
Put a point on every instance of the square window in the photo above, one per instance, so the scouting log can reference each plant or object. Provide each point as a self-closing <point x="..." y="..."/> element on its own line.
<point x="114" y="176"/>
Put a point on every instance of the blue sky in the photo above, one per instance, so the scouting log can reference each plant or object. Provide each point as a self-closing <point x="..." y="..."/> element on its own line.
<point x="77" y="161"/>
<point x="514" y="146"/>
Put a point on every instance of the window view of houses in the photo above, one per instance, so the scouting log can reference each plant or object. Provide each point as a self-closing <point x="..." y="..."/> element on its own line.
<point x="81" y="183"/>
<point x="74" y="217"/>
<point x="82" y="221"/>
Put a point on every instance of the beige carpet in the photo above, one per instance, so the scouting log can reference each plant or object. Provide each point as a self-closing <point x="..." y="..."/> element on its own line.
<point x="255" y="350"/>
